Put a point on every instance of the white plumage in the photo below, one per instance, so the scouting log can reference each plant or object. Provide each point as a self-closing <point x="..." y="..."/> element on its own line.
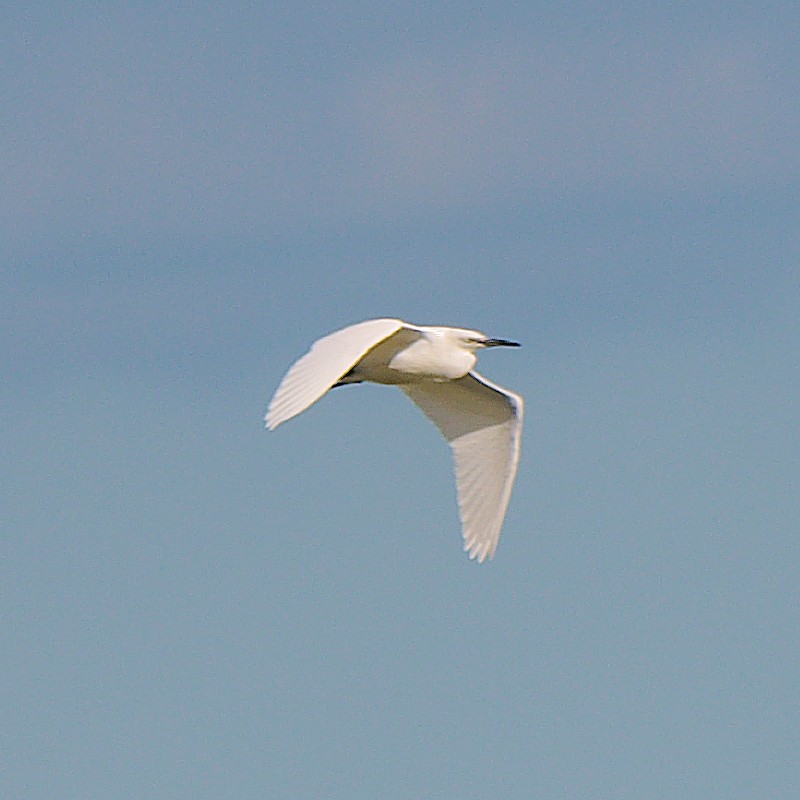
<point x="433" y="366"/>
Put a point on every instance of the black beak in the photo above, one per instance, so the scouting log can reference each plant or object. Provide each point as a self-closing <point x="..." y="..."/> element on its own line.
<point x="499" y="343"/>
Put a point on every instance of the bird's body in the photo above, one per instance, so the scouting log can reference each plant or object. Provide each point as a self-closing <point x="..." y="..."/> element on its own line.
<point x="413" y="355"/>
<point x="433" y="366"/>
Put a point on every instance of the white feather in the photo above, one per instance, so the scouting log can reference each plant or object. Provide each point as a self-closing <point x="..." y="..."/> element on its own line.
<point x="328" y="361"/>
<point x="483" y="423"/>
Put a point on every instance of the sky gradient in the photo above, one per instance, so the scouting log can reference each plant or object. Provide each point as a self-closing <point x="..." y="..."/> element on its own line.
<point x="196" y="608"/>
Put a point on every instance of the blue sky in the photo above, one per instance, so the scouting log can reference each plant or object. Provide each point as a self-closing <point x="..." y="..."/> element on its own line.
<point x="196" y="608"/>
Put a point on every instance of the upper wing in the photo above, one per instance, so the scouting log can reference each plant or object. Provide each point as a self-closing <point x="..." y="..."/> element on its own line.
<point x="483" y="423"/>
<point x="329" y="359"/>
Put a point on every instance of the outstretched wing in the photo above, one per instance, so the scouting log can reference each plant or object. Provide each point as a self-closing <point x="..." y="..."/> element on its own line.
<point x="329" y="359"/>
<point x="483" y="424"/>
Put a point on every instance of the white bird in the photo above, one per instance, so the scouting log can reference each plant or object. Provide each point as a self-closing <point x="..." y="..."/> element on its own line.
<point x="433" y="366"/>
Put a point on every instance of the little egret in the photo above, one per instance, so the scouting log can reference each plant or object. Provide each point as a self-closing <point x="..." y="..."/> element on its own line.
<point x="433" y="366"/>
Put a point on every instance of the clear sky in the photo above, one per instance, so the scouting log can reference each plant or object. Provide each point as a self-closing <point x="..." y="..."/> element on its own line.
<point x="191" y="607"/>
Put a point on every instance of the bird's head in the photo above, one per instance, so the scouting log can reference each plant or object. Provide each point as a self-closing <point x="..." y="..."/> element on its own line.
<point x="475" y="340"/>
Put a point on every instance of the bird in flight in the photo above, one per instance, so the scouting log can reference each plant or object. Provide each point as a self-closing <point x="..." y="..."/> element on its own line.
<point x="434" y="367"/>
